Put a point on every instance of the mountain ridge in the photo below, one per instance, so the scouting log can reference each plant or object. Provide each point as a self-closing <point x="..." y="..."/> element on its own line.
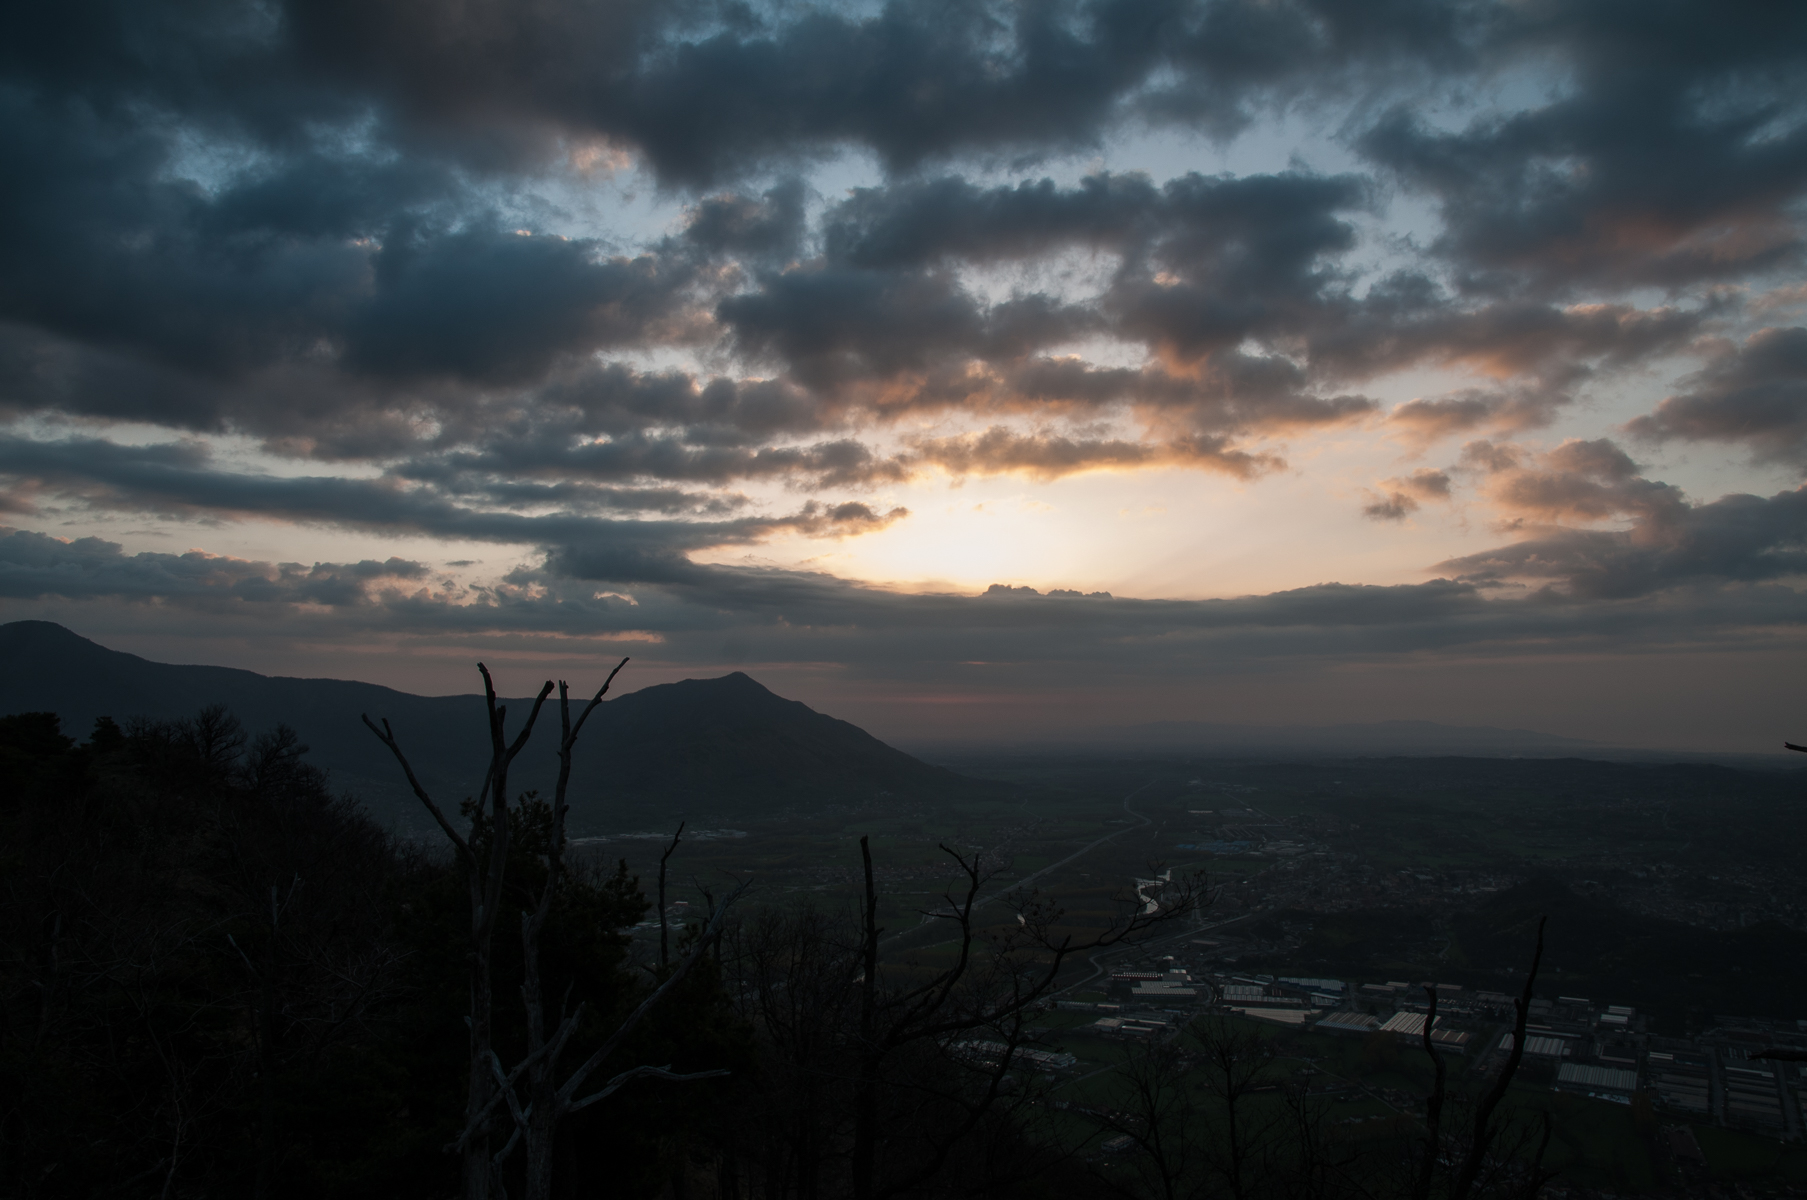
<point x="726" y="747"/>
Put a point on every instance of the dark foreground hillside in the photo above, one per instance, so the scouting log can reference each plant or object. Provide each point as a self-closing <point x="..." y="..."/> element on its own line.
<point x="217" y="979"/>
<point x="704" y="748"/>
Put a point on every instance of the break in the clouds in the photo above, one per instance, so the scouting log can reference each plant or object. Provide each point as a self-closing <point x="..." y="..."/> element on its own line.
<point x="724" y="308"/>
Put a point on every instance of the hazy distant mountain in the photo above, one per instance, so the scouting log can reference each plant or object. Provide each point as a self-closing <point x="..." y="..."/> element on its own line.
<point x="720" y="747"/>
<point x="1379" y="737"/>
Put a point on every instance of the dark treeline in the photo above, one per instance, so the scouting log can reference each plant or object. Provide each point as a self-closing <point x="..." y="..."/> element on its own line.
<point x="220" y="978"/>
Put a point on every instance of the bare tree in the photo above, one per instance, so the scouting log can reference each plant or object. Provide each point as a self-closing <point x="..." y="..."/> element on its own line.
<point x="1487" y="1129"/>
<point x="997" y="978"/>
<point x="795" y="975"/>
<point x="485" y="881"/>
<point x="1158" y="1108"/>
<point x="1492" y="1156"/>
<point x="548" y="1100"/>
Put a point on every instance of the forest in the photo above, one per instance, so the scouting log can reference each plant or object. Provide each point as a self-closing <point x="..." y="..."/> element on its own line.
<point x="221" y="977"/>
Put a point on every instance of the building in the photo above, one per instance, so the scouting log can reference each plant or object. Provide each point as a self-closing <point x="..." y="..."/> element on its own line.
<point x="1408" y="1025"/>
<point x="1538" y="1046"/>
<point x="1349" y="1022"/>
<point x="1680" y="1079"/>
<point x="1623" y="1055"/>
<point x="992" y="1052"/>
<point x="1751" y="1095"/>
<point x="1602" y="1083"/>
<point x="1281" y="1016"/>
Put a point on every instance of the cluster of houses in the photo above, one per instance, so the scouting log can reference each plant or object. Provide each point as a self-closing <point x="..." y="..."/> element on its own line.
<point x="1742" y="1072"/>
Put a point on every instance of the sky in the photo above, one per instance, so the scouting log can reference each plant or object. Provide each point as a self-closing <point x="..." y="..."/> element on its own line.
<point x="972" y="371"/>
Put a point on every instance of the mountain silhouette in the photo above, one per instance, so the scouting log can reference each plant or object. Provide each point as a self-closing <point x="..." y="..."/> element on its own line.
<point x="724" y="748"/>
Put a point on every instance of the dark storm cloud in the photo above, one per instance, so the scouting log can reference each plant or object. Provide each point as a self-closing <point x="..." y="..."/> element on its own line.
<point x="914" y="224"/>
<point x="1672" y="150"/>
<point x="392" y="270"/>
<point x="34" y="565"/>
<point x="822" y="464"/>
<point x="496" y="306"/>
<point x="703" y="95"/>
<point x="1734" y="538"/>
<point x="830" y="325"/>
<point x="1755" y="394"/>
<point x="1553" y="346"/>
<point x="771" y="227"/>
<point x="296" y="224"/>
<point x="178" y="480"/>
<point x="1204" y="263"/>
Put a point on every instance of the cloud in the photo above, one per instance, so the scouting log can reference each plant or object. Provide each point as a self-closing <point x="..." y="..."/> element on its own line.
<point x="1428" y="419"/>
<point x="1000" y="451"/>
<point x="34" y="565"/>
<point x="1579" y="480"/>
<point x="1667" y="155"/>
<point x="1401" y="496"/>
<point x="1755" y="394"/>
<point x="704" y="97"/>
<point x="178" y="481"/>
<point x="1393" y="506"/>
<point x="1610" y="596"/>
<point x="1668" y="540"/>
<point x="1736" y="538"/>
<point x="496" y="306"/>
<point x="372" y="238"/>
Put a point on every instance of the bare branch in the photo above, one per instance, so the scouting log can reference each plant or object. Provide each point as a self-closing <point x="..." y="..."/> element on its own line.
<point x="602" y="691"/>
<point x="664" y="935"/>
<point x="1433" y="1104"/>
<point x="664" y="1072"/>
<point x="387" y="737"/>
<point x="1483" y="1118"/>
<point x="627" y="1027"/>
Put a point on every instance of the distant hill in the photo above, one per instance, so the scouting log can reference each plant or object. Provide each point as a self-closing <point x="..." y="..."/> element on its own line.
<point x="724" y="748"/>
<point x="1378" y="737"/>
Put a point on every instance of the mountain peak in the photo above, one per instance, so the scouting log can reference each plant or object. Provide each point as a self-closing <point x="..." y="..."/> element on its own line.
<point x="14" y="632"/>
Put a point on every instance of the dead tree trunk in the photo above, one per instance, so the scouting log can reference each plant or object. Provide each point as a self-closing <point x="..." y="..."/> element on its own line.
<point x="540" y="1113"/>
<point x="548" y="1101"/>
<point x="485" y="880"/>
<point x="1485" y="1131"/>
<point x="664" y="935"/>
<point x="1021" y="966"/>
<point x="1433" y="1104"/>
<point x="865" y="1090"/>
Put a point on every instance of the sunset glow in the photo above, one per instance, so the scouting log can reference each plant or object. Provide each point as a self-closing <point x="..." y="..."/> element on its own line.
<point x="1365" y="358"/>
